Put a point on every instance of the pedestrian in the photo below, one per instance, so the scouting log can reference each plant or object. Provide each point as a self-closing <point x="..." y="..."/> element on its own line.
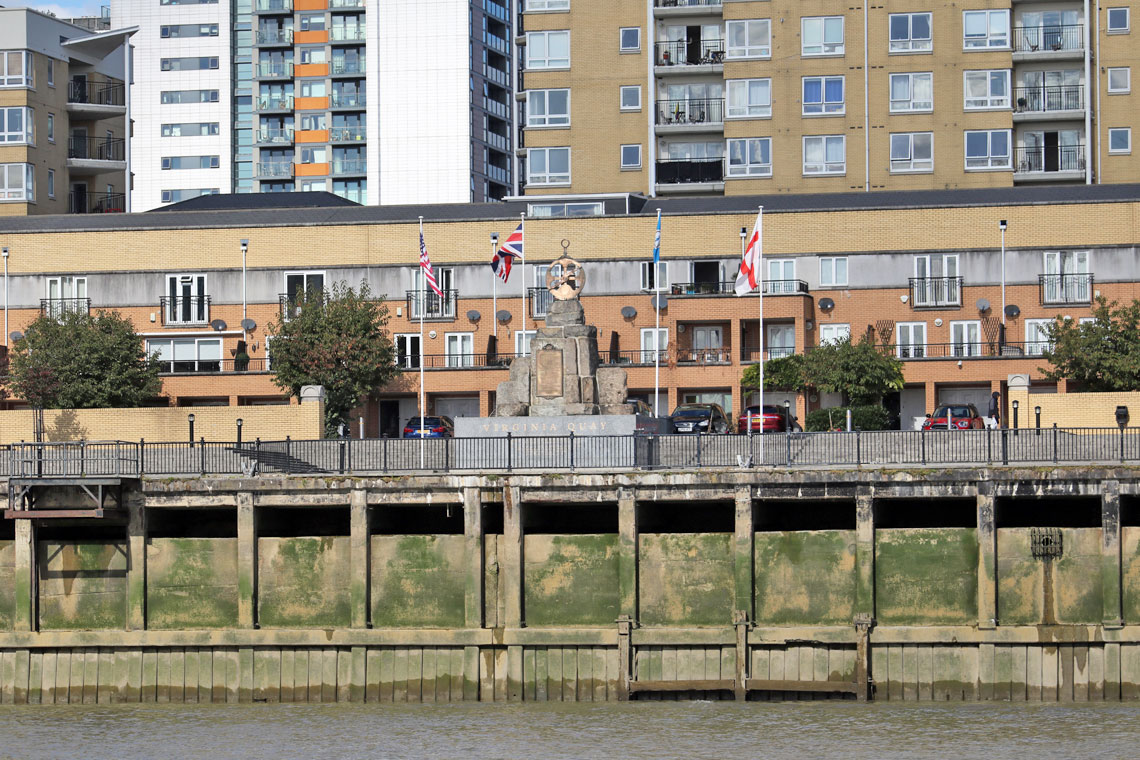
<point x="995" y="408"/>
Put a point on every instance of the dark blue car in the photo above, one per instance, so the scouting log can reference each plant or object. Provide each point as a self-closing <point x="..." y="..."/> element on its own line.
<point x="433" y="427"/>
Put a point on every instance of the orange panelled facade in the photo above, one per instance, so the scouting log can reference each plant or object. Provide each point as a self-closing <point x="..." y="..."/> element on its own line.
<point x="311" y="69"/>
<point x="311" y="170"/>
<point x="310" y="5"/>
<point x="311" y="104"/>
<point x="310" y="38"/>
<point x="311" y="136"/>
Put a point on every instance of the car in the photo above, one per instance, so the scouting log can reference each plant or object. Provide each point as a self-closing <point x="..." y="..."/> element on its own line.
<point x="700" y="418"/>
<point x="640" y="407"/>
<point x="433" y="427"/>
<point x="774" y="420"/>
<point x="954" y="417"/>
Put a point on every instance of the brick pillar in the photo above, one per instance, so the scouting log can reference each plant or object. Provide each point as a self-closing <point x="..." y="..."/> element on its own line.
<point x="987" y="558"/>
<point x="136" y="566"/>
<point x="931" y="396"/>
<point x="1111" y="564"/>
<point x="361" y="556"/>
<point x="247" y="561"/>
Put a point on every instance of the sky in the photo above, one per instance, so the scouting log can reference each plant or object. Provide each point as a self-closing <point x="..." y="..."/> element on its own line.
<point x="61" y="8"/>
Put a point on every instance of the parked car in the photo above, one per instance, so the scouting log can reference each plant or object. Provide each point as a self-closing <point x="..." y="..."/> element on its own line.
<point x="433" y="427"/>
<point x="640" y="407"/>
<point x="954" y="417"/>
<point x="700" y="418"/>
<point x="774" y="420"/>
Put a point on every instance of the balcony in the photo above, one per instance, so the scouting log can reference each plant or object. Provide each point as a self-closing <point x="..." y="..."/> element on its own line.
<point x="274" y="6"/>
<point x="690" y="175"/>
<point x="429" y="306"/>
<point x="337" y="5"/>
<point x="540" y="300"/>
<point x="57" y="307"/>
<point x="185" y="310"/>
<point x="346" y="34"/>
<point x="455" y="361"/>
<point x="212" y="366"/>
<point x="344" y="167"/>
<point x="269" y="37"/>
<point x="343" y="68"/>
<point x="274" y="103"/>
<point x="1048" y="163"/>
<point x="497" y="174"/>
<point x="698" y="115"/>
<point x="96" y="99"/>
<point x="87" y="156"/>
<point x="1065" y="288"/>
<point x="1048" y="102"/>
<point x="275" y="136"/>
<point x="275" y="169"/>
<point x="632" y="357"/>
<point x="497" y="76"/>
<point x="347" y="134"/>
<point x="351" y="100"/>
<point x="1048" y="42"/>
<point x="688" y="4"/>
<point x="96" y="203"/>
<point x="274" y="71"/>
<point x="496" y="43"/>
<point x="495" y="108"/>
<point x="703" y="356"/>
<point x="690" y="56"/>
<point x="935" y="292"/>
<point x="771" y="288"/>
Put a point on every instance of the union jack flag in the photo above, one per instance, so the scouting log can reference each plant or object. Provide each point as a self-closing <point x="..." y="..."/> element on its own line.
<point x="514" y="244"/>
<point x="425" y="264"/>
<point x="501" y="264"/>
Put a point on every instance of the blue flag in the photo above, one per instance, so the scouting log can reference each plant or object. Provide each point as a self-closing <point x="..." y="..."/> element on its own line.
<point x="657" y="246"/>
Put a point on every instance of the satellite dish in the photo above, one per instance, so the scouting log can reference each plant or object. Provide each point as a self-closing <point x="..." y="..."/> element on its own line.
<point x="218" y="325"/>
<point x="826" y="304"/>
<point x="16" y="335"/>
<point x="248" y="324"/>
<point x="1012" y="311"/>
<point x="474" y="316"/>
<point x="503" y="315"/>
<point x="628" y="312"/>
<point x="659" y="302"/>
<point x="983" y="304"/>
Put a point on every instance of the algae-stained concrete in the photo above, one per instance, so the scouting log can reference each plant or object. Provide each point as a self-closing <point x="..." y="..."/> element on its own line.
<point x="1077" y="591"/>
<point x="926" y="576"/>
<point x="686" y="578"/>
<point x="805" y="577"/>
<point x="191" y="583"/>
<point x="571" y="579"/>
<point x="82" y="585"/>
<point x="303" y="582"/>
<point x="1032" y="591"/>
<point x="418" y="581"/>
<point x="1130" y="558"/>
<point x="1020" y="579"/>
<point x="7" y="584"/>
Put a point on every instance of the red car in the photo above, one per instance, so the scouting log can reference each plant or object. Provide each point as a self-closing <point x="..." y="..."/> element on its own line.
<point x="774" y="420"/>
<point x="954" y="417"/>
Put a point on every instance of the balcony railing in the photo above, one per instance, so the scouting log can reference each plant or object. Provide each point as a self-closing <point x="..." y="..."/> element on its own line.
<point x="771" y="288"/>
<point x="540" y="301"/>
<point x="688" y="171"/>
<point x="689" y="112"/>
<point x="291" y="303"/>
<point x="337" y="4"/>
<point x="1047" y="98"/>
<point x="275" y="169"/>
<point x="271" y="135"/>
<point x="495" y="108"/>
<point x="342" y="67"/>
<point x="684" y="3"/>
<point x="347" y="134"/>
<point x="274" y="70"/>
<point x="346" y="100"/>
<point x="346" y="34"/>
<point x="455" y="361"/>
<point x="97" y="148"/>
<point x="1066" y="288"/>
<point x="274" y="6"/>
<point x="96" y="203"/>
<point x="632" y="357"/>
<point x="719" y="355"/>
<point x="274" y="103"/>
<point x="686" y="53"/>
<point x="935" y="291"/>
<point x="97" y="93"/>
<point x="185" y="310"/>
<point x="212" y="366"/>
<point x="430" y="305"/>
<point x="1042" y="159"/>
<point x="274" y="36"/>
<point x="56" y="307"/>
<point x="344" y="166"/>
<point x="751" y="354"/>
<point x="1033" y="39"/>
<point x="498" y="76"/>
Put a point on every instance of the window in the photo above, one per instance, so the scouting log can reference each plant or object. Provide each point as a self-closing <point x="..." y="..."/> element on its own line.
<point x="630" y="39"/>
<point x="781" y="276"/>
<point x="433" y="306"/>
<point x="548" y="50"/>
<point x="66" y="294"/>
<point x="298" y="287"/>
<point x="185" y="301"/>
<point x="17" y="182"/>
<point x="187" y="354"/>
<point x="750" y="157"/>
<point x="549" y="210"/>
<point x="460" y="349"/>
<point x="51" y="72"/>
<point x="910" y="340"/>
<point x="187" y="2"/>
<point x="631" y="97"/>
<point x="312" y="22"/>
<point x="781" y="341"/>
<point x="548" y="166"/>
<point x="547" y="5"/>
<point x="654" y="344"/>
<point x="51" y="183"/>
<point x="648" y="282"/>
<point x="173" y="196"/>
<point x="1037" y="339"/>
<point x="189" y="162"/>
<point x="1118" y="22"/>
<point x="16" y="68"/>
<point x="985" y="29"/>
<point x="912" y="92"/>
<point x="1120" y="80"/>
<point x="965" y="338"/>
<point x="314" y="55"/>
<point x="548" y="108"/>
<point x="821" y="35"/>
<point x="631" y="156"/>
<point x="910" y="33"/>
<point x="189" y="96"/>
<point x="988" y="149"/>
<point x="1066" y="278"/>
<point x="193" y="63"/>
<point x="51" y="127"/>
<point x="190" y="129"/>
<point x="986" y="89"/>
<point x="749" y="98"/>
<point x="823" y="95"/>
<point x="318" y="155"/>
<point x="834" y="334"/>
<point x="16" y="125"/>
<point x="825" y="154"/>
<point x="313" y="121"/>
<point x="912" y="152"/>
<point x="523" y="339"/>
<point x="936" y="281"/>
<point x="751" y="38"/>
<point x="833" y="271"/>
<point x="314" y="88"/>
<point x="1120" y="140"/>
<point x="188" y="30"/>
<point x="408" y="350"/>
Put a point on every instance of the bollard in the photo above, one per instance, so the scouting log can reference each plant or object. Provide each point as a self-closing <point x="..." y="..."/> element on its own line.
<point x="508" y="452"/>
<point x="142" y="454"/>
<point x="848" y="420"/>
<point x="1005" y="445"/>
<point x="202" y="450"/>
<point x="341" y="444"/>
<point x="1054" y="443"/>
<point x="571" y="449"/>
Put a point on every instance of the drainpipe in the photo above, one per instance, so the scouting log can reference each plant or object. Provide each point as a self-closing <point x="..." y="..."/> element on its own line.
<point x="1088" y="102"/>
<point x="516" y="81"/>
<point x="128" y="55"/>
<point x="1088" y="135"/>
<point x="866" y="108"/>
<point x="650" y="100"/>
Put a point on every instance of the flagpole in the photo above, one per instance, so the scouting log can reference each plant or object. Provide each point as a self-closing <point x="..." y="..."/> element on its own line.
<point x="495" y="291"/>
<point x="657" y="310"/>
<point x="423" y="308"/>
<point x="760" y="278"/>
<point x="523" y="341"/>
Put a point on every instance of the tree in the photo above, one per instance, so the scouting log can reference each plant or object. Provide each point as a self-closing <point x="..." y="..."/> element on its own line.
<point x="1101" y="355"/>
<point x="783" y="374"/>
<point x="76" y="360"/>
<point x="336" y="339"/>
<point x="861" y="371"/>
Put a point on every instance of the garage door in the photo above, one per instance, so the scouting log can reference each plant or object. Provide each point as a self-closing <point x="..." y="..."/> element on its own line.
<point x="978" y="396"/>
<point x="457" y="407"/>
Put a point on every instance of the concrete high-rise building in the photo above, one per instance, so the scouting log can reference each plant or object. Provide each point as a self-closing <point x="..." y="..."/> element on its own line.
<point x="774" y="96"/>
<point x="385" y="102"/>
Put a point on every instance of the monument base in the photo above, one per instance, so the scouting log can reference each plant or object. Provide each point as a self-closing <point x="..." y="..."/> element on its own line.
<point x="610" y="444"/>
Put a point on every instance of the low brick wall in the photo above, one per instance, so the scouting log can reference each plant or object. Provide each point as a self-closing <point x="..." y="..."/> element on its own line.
<point x="1072" y="409"/>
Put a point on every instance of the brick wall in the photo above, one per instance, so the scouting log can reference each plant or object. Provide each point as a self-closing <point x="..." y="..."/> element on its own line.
<point x="1071" y="409"/>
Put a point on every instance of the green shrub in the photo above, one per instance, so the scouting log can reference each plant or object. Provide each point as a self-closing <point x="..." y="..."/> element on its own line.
<point x="871" y="417"/>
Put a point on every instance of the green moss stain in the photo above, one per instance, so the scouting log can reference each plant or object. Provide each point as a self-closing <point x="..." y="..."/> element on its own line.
<point x="304" y="582"/>
<point x="686" y="578"/>
<point x="1130" y="551"/>
<point x="1020" y="579"/>
<point x="1077" y="590"/>
<point x="805" y="577"/>
<point x="7" y="584"/>
<point x="418" y="581"/>
<point x="571" y="580"/>
<point x="926" y="576"/>
<point x="82" y="585"/>
<point x="192" y="583"/>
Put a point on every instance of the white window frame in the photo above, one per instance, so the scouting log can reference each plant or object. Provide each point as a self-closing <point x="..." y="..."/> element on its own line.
<point x="405" y="360"/>
<point x="740" y="94"/>
<point x="305" y="274"/>
<point x="913" y="164"/>
<point x="910" y="44"/>
<point x="835" y="333"/>
<point x="622" y="47"/>
<point x="546" y="120"/>
<point x="1110" y="29"/>
<point x="626" y="151"/>
<point x="823" y="171"/>
<point x="1034" y="344"/>
<point x="647" y="284"/>
<point x="748" y="168"/>
<point x="990" y="165"/>
<point x="27" y="190"/>
<point x="25" y="79"/>
<point x="910" y="105"/>
<point x="912" y="349"/>
<point x="992" y="40"/>
<point x="750" y="48"/>
<point x="51" y="72"/>
<point x="546" y="6"/>
<point x="826" y="107"/>
<point x="462" y="358"/>
<point x="197" y="361"/>
<point x="969" y="345"/>
<point x="654" y="343"/>
<point x="51" y="183"/>
<point x="621" y="97"/>
<point x="780" y="340"/>
<point x="51" y="127"/>
<point x="1067" y="277"/>
<point x="1127" y="88"/>
<point x="547" y="177"/>
<point x="562" y="210"/>
<point x="992" y="102"/>
<point x="1120" y="151"/>
<point x="25" y="135"/>
<point x="829" y="267"/>
<point x="779" y="276"/>
<point x="545" y="63"/>
<point x="524" y="339"/>
<point x="825" y="48"/>
<point x="200" y="289"/>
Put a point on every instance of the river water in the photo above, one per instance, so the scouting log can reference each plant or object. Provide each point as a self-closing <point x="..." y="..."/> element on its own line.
<point x="628" y="731"/>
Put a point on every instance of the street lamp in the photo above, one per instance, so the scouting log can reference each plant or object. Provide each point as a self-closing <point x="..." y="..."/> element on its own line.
<point x="1015" y="416"/>
<point x="787" y="415"/>
<point x="1001" y="226"/>
<point x="1037" y="413"/>
<point x="240" y="422"/>
<point x="190" y="419"/>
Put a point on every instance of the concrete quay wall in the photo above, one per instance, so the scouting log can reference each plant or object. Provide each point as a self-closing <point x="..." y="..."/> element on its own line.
<point x="955" y="584"/>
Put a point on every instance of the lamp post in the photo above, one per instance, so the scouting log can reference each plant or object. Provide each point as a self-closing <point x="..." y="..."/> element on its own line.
<point x="1002" y="226"/>
<point x="190" y="420"/>
<point x="1037" y="413"/>
<point x="244" y="307"/>
<point x="1015" y="416"/>
<point x="787" y="416"/>
<point x="240" y="422"/>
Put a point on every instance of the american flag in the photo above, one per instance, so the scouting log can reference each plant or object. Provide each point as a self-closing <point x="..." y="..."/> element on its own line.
<point x="425" y="264"/>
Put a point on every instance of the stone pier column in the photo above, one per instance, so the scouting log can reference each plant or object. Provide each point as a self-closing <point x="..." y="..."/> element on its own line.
<point x="247" y="561"/>
<point x="745" y="530"/>
<point x="627" y="588"/>
<point x="361" y="557"/>
<point x="987" y="558"/>
<point x="24" y="585"/>
<point x="511" y="565"/>
<point x="1111" y="564"/>
<point x="136" y="566"/>
<point x="474" y="589"/>
<point x="864" y="587"/>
